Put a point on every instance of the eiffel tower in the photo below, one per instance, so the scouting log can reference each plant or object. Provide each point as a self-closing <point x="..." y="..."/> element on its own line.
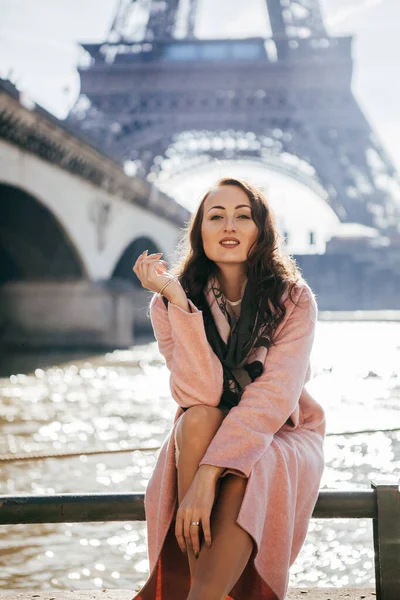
<point x="156" y="95"/>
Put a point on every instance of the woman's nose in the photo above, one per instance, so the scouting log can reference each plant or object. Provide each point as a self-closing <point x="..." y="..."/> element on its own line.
<point x="230" y="224"/>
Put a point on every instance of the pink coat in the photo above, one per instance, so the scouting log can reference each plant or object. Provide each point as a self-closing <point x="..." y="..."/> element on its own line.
<point x="274" y="437"/>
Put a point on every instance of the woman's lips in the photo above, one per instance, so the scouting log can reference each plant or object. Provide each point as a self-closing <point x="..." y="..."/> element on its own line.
<point x="229" y="244"/>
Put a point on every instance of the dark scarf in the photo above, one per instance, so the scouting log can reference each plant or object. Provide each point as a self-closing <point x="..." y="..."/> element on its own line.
<point x="237" y="346"/>
<point x="240" y="346"/>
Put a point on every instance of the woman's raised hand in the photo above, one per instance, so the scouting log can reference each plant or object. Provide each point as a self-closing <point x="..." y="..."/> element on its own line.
<point x="152" y="271"/>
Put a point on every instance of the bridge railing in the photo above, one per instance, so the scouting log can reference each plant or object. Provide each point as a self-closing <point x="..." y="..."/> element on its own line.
<point x="381" y="504"/>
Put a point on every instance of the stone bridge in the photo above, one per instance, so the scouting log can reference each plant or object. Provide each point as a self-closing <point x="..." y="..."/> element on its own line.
<point x="72" y="224"/>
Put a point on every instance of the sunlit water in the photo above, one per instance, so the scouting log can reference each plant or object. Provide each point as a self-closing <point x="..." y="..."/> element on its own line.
<point x="122" y="398"/>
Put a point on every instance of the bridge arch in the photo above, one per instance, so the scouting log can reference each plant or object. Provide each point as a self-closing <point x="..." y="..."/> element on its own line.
<point x="288" y="166"/>
<point x="281" y="147"/>
<point x="123" y="268"/>
<point x="303" y="215"/>
<point x="34" y="244"/>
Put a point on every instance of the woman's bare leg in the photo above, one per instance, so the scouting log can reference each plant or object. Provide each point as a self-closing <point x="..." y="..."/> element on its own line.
<point x="218" y="568"/>
<point x="195" y="430"/>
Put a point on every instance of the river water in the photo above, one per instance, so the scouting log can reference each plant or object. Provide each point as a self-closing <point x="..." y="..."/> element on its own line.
<point x="121" y="398"/>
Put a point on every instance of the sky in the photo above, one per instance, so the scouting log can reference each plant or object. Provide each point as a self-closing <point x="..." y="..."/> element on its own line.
<point x="39" y="49"/>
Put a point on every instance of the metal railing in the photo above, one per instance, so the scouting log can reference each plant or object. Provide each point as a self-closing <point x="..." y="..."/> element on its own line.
<point x="381" y="504"/>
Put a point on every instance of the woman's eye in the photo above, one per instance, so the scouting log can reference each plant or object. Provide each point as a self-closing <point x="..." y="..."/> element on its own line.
<point x="215" y="217"/>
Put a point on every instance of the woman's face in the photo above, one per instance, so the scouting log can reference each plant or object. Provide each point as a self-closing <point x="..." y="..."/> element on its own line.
<point x="228" y="230"/>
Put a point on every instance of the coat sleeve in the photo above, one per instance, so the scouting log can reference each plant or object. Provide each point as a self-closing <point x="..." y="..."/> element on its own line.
<point x="196" y="372"/>
<point x="267" y="402"/>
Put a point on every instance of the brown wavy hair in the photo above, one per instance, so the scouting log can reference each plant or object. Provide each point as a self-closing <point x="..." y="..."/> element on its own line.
<point x="270" y="270"/>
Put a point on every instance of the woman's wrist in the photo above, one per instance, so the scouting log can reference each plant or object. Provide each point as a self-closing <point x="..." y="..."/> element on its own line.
<point x="211" y="472"/>
<point x="177" y="296"/>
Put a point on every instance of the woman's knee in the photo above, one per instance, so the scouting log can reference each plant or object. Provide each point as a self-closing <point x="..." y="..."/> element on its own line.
<point x="198" y="423"/>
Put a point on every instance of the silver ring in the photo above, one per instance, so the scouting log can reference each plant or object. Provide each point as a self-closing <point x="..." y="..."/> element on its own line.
<point x="195" y="523"/>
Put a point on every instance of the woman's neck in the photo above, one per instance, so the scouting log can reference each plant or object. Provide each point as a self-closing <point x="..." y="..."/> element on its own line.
<point x="231" y="282"/>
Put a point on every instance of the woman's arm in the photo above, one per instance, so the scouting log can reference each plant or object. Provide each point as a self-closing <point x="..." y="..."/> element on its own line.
<point x="196" y="372"/>
<point x="267" y="402"/>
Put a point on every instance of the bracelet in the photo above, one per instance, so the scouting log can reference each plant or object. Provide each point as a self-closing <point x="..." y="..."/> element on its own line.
<point x="165" y="285"/>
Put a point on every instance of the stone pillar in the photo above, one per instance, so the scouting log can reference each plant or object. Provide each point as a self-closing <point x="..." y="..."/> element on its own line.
<point x="68" y="314"/>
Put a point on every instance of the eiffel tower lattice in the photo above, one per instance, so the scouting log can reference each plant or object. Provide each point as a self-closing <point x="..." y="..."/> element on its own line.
<point x="157" y="95"/>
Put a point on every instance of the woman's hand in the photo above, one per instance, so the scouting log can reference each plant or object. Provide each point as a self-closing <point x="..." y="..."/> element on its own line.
<point x="196" y="506"/>
<point x="152" y="271"/>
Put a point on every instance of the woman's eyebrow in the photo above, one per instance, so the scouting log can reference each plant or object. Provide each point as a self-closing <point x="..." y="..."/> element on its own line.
<point x="223" y="207"/>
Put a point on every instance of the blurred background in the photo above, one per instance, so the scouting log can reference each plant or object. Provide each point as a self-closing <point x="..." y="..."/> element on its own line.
<point x="115" y="117"/>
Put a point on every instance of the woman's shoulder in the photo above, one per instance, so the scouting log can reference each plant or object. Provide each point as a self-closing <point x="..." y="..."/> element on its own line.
<point x="300" y="294"/>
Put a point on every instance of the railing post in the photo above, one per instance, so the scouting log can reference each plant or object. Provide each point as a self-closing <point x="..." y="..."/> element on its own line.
<point x="386" y="527"/>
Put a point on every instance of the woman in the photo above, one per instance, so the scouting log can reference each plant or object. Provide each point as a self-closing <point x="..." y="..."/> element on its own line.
<point x="238" y="476"/>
